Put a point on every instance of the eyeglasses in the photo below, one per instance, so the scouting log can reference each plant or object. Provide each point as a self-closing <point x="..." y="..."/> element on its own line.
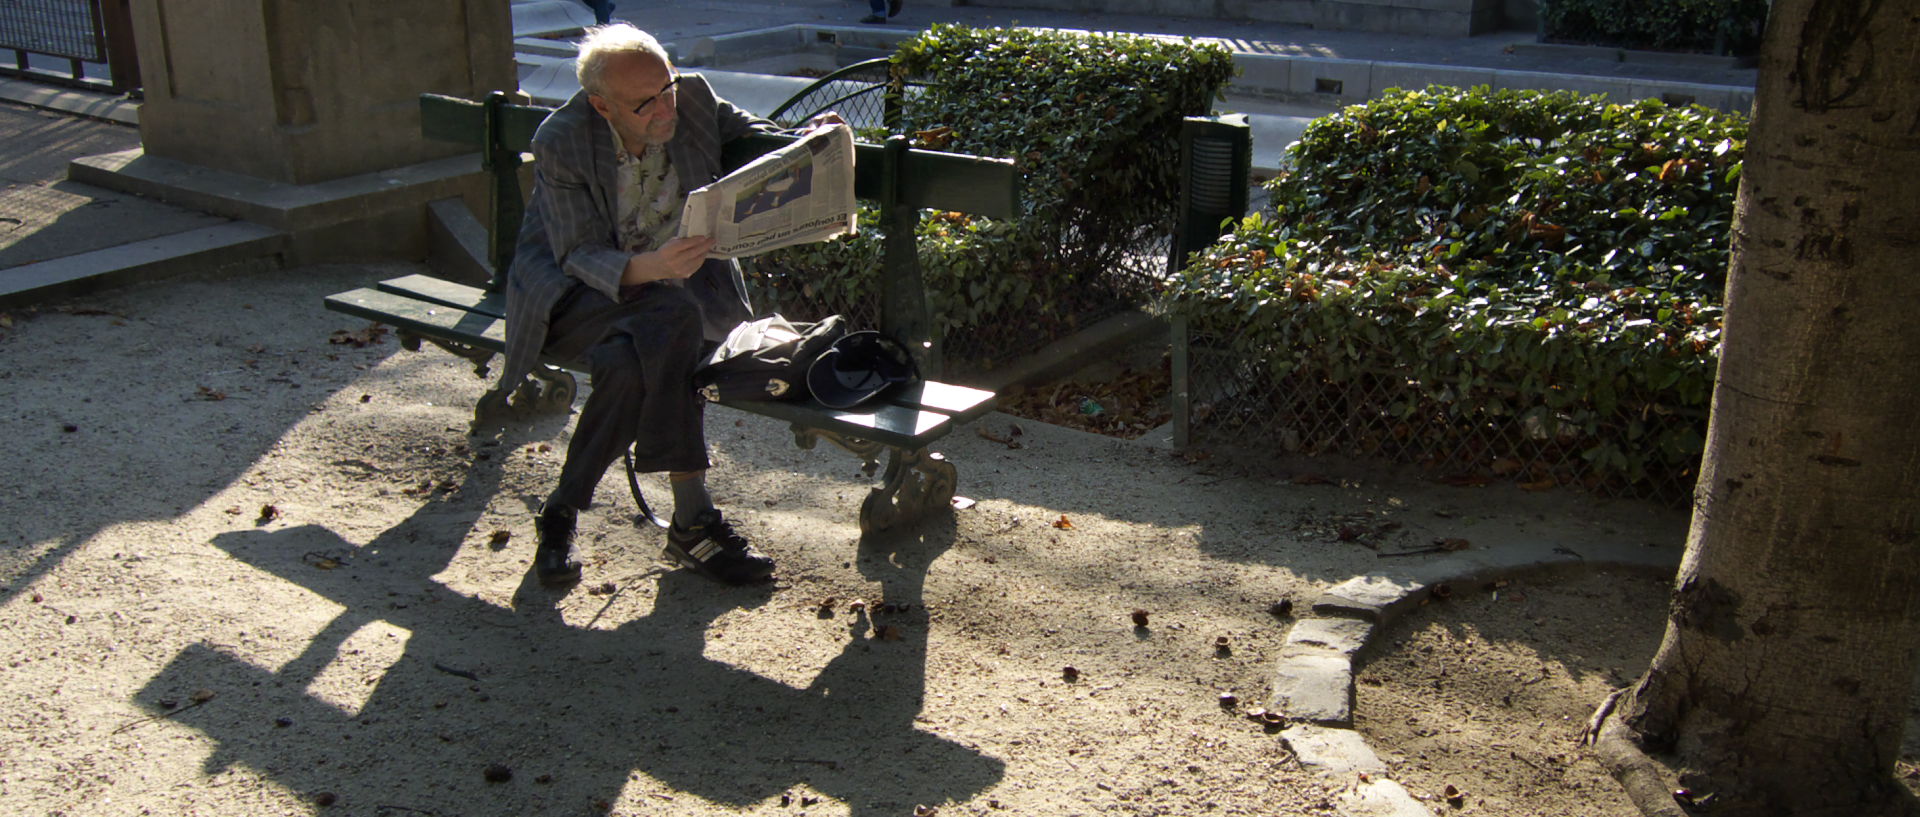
<point x="667" y="91"/>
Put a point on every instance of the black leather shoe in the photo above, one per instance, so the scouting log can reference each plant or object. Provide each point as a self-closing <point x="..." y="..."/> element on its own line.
<point x="554" y="527"/>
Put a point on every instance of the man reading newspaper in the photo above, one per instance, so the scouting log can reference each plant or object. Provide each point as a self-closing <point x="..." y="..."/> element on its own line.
<point x="601" y="277"/>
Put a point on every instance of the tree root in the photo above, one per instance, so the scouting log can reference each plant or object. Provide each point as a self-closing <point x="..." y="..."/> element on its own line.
<point x="1643" y="779"/>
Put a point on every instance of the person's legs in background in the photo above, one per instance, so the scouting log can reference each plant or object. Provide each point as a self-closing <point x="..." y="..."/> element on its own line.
<point x="881" y="10"/>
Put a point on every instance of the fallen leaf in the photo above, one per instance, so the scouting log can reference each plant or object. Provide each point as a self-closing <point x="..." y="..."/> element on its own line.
<point x="268" y="513"/>
<point x="1452" y="544"/>
<point x="987" y="434"/>
<point x="1310" y="479"/>
<point x="889" y="632"/>
<point x="363" y="338"/>
<point x="1062" y="523"/>
<point x="1547" y="484"/>
<point x="210" y="395"/>
<point x="201" y="696"/>
<point x="1464" y="480"/>
<point x="1503" y="467"/>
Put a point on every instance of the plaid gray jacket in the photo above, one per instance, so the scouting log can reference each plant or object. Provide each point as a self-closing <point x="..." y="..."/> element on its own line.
<point x="569" y="236"/>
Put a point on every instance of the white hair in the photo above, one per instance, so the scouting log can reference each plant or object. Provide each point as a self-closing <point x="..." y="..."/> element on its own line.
<point x="602" y="43"/>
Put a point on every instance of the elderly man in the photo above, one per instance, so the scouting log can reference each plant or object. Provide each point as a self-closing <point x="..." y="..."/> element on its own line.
<point x="599" y="278"/>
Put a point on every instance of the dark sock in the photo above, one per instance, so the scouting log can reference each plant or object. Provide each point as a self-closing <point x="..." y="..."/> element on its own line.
<point x="689" y="496"/>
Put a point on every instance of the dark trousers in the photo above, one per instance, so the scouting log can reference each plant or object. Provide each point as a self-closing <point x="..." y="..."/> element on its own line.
<point x="640" y="354"/>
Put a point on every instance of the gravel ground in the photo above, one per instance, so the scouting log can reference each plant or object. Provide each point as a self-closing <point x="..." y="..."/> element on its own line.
<point x="250" y="571"/>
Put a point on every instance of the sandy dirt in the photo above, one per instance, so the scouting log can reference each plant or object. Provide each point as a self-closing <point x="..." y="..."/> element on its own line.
<point x="1488" y="691"/>
<point x="250" y="571"/>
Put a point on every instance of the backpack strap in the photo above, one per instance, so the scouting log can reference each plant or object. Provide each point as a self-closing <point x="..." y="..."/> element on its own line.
<point x="639" y="499"/>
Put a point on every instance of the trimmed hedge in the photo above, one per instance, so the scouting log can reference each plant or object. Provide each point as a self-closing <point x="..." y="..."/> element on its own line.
<point x="1093" y="123"/>
<point x="1505" y="256"/>
<point x="1716" y="26"/>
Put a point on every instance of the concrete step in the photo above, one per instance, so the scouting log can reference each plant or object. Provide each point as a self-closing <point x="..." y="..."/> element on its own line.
<point x="198" y="249"/>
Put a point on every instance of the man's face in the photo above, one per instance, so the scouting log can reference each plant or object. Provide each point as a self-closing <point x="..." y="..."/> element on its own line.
<point x="640" y="100"/>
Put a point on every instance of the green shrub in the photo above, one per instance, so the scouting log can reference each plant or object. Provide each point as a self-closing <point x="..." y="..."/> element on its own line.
<point x="1092" y="122"/>
<point x="1718" y="26"/>
<point x="1500" y="257"/>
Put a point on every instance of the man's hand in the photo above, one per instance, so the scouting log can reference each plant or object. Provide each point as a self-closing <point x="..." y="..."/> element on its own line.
<point x="675" y="260"/>
<point x="823" y="120"/>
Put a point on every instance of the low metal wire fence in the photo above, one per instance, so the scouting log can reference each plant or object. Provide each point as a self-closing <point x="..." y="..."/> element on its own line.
<point x="1388" y="415"/>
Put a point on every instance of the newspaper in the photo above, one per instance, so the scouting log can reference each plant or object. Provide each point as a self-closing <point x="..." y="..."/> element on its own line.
<point x="795" y="195"/>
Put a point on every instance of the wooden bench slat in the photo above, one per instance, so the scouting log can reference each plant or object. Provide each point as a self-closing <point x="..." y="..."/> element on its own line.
<point x="451" y="293"/>
<point x="453" y="119"/>
<point x="980" y="185"/>
<point x="441" y="320"/>
<point x="898" y="426"/>
<point x="962" y="403"/>
<point x="892" y="424"/>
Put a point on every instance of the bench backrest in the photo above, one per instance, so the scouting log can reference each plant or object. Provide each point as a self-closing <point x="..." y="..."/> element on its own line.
<point x="900" y="179"/>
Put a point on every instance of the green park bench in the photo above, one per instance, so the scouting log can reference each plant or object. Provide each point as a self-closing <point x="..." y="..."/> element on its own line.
<point x="470" y="320"/>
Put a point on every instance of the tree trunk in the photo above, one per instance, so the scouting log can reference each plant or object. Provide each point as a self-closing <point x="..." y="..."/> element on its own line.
<point x="1782" y="685"/>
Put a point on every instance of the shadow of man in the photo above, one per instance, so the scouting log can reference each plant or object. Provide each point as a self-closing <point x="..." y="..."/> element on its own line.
<point x="572" y="713"/>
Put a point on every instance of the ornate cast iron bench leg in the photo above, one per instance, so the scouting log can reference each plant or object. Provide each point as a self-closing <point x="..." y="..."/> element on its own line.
<point x="917" y="481"/>
<point x="550" y="389"/>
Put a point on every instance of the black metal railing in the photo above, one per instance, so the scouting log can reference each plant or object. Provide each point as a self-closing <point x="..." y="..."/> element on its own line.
<point x="64" y="40"/>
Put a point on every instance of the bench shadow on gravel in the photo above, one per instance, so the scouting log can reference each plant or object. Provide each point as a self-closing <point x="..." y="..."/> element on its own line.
<point x="572" y="712"/>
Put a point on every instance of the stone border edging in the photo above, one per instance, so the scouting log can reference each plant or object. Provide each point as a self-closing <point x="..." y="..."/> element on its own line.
<point x="1313" y="684"/>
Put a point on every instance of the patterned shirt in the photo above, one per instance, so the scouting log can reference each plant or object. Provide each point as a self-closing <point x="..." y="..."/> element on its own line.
<point x="649" y="199"/>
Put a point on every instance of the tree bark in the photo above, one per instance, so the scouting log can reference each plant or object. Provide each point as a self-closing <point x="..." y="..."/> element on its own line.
<point x="1782" y="684"/>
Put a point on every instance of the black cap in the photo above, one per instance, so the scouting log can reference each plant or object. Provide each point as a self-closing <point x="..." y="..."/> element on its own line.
<point x="858" y="366"/>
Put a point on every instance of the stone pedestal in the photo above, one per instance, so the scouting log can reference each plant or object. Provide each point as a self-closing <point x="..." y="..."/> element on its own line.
<point x="301" y="92"/>
<point x="303" y="117"/>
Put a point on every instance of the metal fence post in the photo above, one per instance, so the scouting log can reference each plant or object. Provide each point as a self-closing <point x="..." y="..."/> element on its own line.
<point x="1216" y="166"/>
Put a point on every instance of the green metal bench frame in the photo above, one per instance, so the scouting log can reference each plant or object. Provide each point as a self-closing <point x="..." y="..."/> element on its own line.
<point x="469" y="321"/>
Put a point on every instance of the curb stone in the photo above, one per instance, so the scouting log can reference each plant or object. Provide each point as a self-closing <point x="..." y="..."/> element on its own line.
<point x="1313" y="679"/>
